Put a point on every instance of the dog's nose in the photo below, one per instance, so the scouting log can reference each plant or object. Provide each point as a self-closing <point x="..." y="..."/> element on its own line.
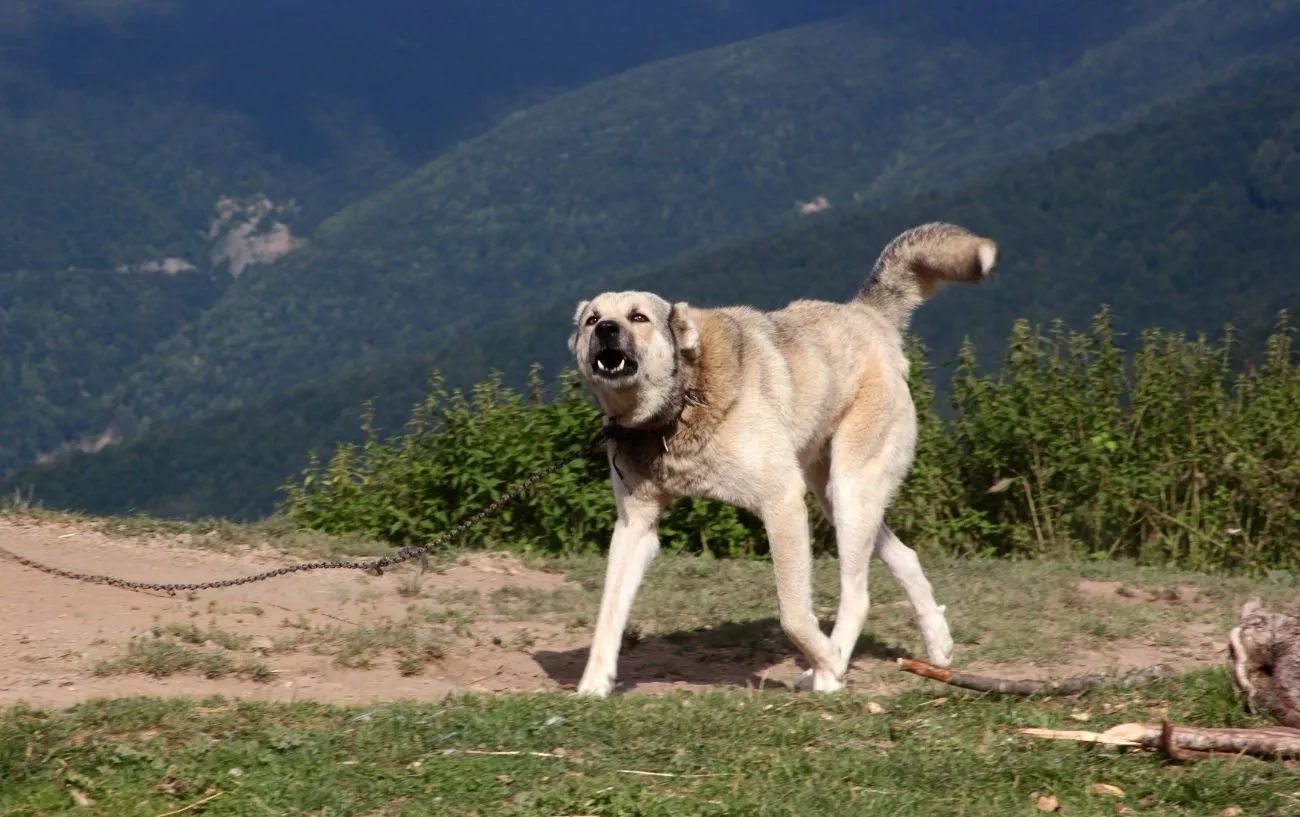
<point x="607" y="330"/>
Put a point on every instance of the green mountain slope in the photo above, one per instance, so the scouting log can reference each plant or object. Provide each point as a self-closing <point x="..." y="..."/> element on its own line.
<point x="95" y="179"/>
<point x="69" y="335"/>
<point x="93" y="183"/>
<point x="1187" y="220"/>
<point x="656" y="161"/>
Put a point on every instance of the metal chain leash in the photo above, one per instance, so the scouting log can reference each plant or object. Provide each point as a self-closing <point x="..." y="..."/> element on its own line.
<point x="375" y="566"/>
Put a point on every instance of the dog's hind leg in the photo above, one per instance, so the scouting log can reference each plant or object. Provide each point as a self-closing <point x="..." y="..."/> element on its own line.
<point x="859" y="490"/>
<point x="906" y="567"/>
<point x="871" y="453"/>
<point x="632" y="549"/>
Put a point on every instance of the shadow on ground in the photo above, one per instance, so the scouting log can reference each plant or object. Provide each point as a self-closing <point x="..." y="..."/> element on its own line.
<point x="732" y="654"/>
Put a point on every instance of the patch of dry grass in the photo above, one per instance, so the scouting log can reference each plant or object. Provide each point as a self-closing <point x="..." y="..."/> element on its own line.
<point x="1000" y="611"/>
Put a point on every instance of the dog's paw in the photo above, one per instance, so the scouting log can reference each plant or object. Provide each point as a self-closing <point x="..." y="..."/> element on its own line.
<point x="937" y="639"/>
<point x="596" y="686"/>
<point x="824" y="681"/>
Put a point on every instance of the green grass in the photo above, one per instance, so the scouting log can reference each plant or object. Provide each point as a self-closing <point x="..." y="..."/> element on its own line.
<point x="717" y="753"/>
<point x="731" y="603"/>
<point x="162" y="657"/>
<point x="416" y="641"/>
<point x="724" y="610"/>
<point x="933" y="750"/>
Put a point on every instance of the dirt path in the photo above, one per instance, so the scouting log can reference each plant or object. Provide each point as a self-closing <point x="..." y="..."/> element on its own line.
<point x="486" y="624"/>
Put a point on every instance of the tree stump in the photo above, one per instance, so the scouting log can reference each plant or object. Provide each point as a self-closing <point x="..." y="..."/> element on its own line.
<point x="1264" y="662"/>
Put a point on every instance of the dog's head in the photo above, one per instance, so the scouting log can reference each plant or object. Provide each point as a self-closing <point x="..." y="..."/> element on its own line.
<point x="630" y="347"/>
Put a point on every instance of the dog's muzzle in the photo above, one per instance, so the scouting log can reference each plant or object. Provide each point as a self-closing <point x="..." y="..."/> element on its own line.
<point x="610" y="359"/>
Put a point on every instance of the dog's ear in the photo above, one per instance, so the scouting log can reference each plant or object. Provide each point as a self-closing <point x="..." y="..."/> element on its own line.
<point x="577" y="317"/>
<point x="682" y="324"/>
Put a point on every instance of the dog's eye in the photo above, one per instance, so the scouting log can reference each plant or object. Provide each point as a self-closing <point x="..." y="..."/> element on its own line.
<point x="591" y="321"/>
<point x="637" y="317"/>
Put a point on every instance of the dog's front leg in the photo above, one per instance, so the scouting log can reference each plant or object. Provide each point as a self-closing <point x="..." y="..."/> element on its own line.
<point x="786" y="522"/>
<point x="632" y="549"/>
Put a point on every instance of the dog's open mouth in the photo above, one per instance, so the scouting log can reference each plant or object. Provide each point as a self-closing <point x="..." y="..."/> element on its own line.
<point x="613" y="364"/>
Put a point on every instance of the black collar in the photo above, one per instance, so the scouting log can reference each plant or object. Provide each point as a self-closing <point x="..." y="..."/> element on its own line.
<point x="659" y="433"/>
<point x="631" y="436"/>
<point x="665" y="429"/>
<point x="656" y="436"/>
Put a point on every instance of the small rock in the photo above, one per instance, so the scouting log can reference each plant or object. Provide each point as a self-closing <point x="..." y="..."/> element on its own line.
<point x="1080" y="715"/>
<point x="1231" y="811"/>
<point x="1048" y="802"/>
<point x="1106" y="788"/>
<point x="874" y="708"/>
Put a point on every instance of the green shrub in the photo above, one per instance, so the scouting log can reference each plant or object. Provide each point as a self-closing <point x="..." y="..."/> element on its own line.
<point x="460" y="452"/>
<point x="1169" y="455"/>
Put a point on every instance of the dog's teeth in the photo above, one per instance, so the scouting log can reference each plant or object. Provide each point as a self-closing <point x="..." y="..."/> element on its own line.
<point x="620" y="366"/>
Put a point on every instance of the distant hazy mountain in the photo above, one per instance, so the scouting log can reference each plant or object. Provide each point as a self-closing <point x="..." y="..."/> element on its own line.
<point x="1187" y="219"/>
<point x="641" y="166"/>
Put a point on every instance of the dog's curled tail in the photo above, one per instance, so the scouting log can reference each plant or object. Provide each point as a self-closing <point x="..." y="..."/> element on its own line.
<point x="915" y="264"/>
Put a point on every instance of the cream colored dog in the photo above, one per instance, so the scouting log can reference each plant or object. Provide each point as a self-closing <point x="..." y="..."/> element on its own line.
<point x="755" y="409"/>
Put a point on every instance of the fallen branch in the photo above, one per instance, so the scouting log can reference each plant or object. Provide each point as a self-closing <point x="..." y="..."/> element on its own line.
<point x="1181" y="742"/>
<point x="505" y="754"/>
<point x="1111" y="737"/>
<point x="1065" y="686"/>
<point x="193" y="805"/>
<point x="661" y="774"/>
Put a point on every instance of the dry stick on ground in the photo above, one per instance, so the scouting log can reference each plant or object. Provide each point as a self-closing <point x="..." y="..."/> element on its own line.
<point x="193" y="805"/>
<point x="1184" y="742"/>
<point x="1065" y="686"/>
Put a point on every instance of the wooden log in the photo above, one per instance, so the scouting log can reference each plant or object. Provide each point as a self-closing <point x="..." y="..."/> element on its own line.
<point x="1065" y="686"/>
<point x="1183" y="742"/>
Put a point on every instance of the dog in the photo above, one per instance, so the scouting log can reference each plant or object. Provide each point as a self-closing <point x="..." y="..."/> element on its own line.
<point x="755" y="409"/>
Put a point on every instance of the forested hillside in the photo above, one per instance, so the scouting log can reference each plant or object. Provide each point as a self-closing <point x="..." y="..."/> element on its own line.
<point x="129" y="129"/>
<point x="1185" y="220"/>
<point x="654" y="161"/>
<point x="69" y="335"/>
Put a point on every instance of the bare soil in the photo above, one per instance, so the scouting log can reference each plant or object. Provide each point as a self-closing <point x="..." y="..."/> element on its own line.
<point x="497" y="624"/>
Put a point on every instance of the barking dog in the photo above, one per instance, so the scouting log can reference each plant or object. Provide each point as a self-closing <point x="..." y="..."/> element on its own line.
<point x="755" y="409"/>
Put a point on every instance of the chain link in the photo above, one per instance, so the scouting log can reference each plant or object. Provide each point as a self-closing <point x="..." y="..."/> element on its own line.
<point x="373" y="566"/>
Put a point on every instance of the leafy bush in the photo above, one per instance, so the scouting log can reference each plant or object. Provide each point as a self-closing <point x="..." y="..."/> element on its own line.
<point x="1170" y="458"/>
<point x="1071" y="448"/>
<point x="460" y="452"/>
